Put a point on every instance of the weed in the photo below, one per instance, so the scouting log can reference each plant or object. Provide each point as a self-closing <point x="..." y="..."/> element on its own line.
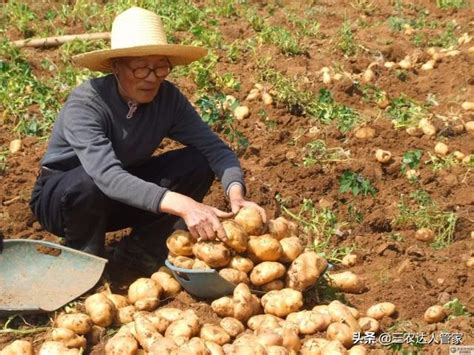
<point x="397" y="237"/>
<point x="283" y="39"/>
<point x="423" y="212"/>
<point x="440" y="163"/>
<point x="456" y="309"/>
<point x="320" y="225"/>
<point x="216" y="112"/>
<point x="405" y="112"/>
<point x="365" y="6"/>
<point x="401" y="74"/>
<point x="346" y="42"/>
<point x="20" y="16"/>
<point x="355" y="214"/>
<point x="3" y="160"/>
<point x="304" y="26"/>
<point x="256" y="21"/>
<point x="411" y="160"/>
<point x="370" y="92"/>
<point x="450" y="4"/>
<point x="318" y="153"/>
<point x="355" y="183"/>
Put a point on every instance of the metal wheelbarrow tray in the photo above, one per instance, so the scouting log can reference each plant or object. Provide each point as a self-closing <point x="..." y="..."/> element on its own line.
<point x="38" y="276"/>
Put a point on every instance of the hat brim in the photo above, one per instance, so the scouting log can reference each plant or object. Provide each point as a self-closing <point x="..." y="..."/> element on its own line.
<point x="177" y="54"/>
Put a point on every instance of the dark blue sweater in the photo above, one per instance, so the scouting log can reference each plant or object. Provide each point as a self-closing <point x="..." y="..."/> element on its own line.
<point x="92" y="130"/>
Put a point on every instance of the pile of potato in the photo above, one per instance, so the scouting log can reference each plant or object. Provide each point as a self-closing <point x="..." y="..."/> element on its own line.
<point x="265" y="257"/>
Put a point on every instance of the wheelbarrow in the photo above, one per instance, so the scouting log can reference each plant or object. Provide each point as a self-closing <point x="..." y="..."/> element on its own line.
<point x="38" y="276"/>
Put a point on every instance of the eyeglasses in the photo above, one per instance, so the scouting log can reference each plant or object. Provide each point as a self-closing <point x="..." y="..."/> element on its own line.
<point x="143" y="72"/>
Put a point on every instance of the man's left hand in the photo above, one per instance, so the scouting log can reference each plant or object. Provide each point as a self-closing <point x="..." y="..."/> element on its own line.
<point x="237" y="201"/>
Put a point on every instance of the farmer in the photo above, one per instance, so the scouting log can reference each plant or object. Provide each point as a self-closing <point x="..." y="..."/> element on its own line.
<point x="98" y="173"/>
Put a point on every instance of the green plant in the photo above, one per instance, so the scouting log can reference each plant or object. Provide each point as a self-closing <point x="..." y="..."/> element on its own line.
<point x="217" y="111"/>
<point x="420" y="211"/>
<point x="283" y="39"/>
<point x="450" y="4"/>
<point x="346" y="42"/>
<point x="456" y="309"/>
<point x="411" y="160"/>
<point x="405" y="112"/>
<point x="355" y="183"/>
<point x="320" y="225"/>
<point x="316" y="152"/>
<point x="440" y="163"/>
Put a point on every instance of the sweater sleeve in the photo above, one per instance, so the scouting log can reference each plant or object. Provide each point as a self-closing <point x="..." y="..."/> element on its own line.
<point x="85" y="131"/>
<point x="189" y="129"/>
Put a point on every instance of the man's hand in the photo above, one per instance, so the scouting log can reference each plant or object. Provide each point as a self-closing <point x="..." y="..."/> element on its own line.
<point x="237" y="201"/>
<point x="202" y="220"/>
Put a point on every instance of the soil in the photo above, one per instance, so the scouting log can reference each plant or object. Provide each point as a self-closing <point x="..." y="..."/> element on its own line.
<point x="395" y="266"/>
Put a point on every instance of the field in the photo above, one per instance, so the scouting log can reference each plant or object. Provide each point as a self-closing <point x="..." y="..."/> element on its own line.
<point x="346" y="78"/>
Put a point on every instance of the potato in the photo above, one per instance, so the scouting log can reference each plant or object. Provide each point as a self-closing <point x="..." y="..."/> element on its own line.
<point x="119" y="301"/>
<point x="253" y="348"/>
<point x="159" y="322"/>
<point x="68" y="338"/>
<point x="18" y="347"/>
<point x="169" y="313"/>
<point x="100" y="309"/>
<point x="251" y="220"/>
<point x="266" y="272"/>
<point x="341" y="332"/>
<point x="214" y="349"/>
<point x="347" y="282"/>
<point x="383" y="156"/>
<point x="214" y="254"/>
<point x="273" y="285"/>
<point x="380" y="310"/>
<point x="181" y="261"/>
<point x="349" y="260"/>
<point x="313" y="346"/>
<point x="368" y="324"/>
<point x="145" y="294"/>
<point x="242" y="302"/>
<point x="168" y="283"/>
<point x="358" y="350"/>
<point x="241" y="112"/>
<point x="240" y="263"/>
<point x="180" y="243"/>
<point x="194" y="346"/>
<point x="441" y="149"/>
<point x="234" y="276"/>
<point x="236" y="236"/>
<point x="264" y="248"/>
<point x="224" y="306"/>
<point x="279" y="228"/>
<point x="255" y="304"/>
<point x="333" y="347"/>
<point x="268" y="337"/>
<point x="121" y="345"/>
<point x="232" y="326"/>
<point x="146" y="333"/>
<point x="283" y="302"/>
<point x="342" y="314"/>
<point x="127" y="330"/>
<point x="79" y="323"/>
<point x="184" y="329"/>
<point x="365" y="133"/>
<point x="305" y="270"/>
<point x="424" y="235"/>
<point x="200" y="265"/>
<point x="434" y="314"/>
<point x="56" y="348"/>
<point x="164" y="346"/>
<point x="322" y="308"/>
<point x="277" y="350"/>
<point x="264" y="321"/>
<point x="292" y="247"/>
<point x="309" y="322"/>
<point x="291" y="341"/>
<point x="214" y="333"/>
<point x="124" y="315"/>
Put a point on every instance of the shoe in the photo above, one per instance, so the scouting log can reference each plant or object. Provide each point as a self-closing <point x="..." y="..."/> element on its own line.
<point x="128" y="254"/>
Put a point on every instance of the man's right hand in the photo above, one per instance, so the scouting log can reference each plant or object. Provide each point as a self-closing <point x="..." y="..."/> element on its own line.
<point x="202" y="220"/>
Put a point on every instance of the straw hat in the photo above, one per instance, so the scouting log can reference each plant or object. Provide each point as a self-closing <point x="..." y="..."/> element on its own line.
<point x="138" y="32"/>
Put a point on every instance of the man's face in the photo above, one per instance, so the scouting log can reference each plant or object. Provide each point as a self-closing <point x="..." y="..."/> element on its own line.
<point x="140" y="77"/>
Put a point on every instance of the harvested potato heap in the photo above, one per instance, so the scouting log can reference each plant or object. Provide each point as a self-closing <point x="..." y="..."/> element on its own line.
<point x="264" y="257"/>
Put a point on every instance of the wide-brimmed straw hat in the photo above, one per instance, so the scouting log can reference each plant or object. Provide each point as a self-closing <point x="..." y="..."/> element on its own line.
<point x="137" y="32"/>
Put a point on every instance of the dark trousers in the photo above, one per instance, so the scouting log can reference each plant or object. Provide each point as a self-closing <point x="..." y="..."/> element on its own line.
<point x="70" y="205"/>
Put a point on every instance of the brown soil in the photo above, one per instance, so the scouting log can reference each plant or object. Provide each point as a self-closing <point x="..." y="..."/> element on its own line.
<point x="404" y="271"/>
